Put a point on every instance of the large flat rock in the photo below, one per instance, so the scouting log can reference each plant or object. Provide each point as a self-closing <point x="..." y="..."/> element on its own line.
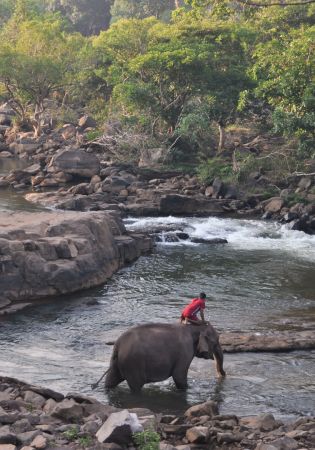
<point x="274" y="342"/>
<point x="52" y="253"/>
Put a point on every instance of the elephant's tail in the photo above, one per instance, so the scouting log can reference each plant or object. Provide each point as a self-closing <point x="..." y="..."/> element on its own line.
<point x="94" y="385"/>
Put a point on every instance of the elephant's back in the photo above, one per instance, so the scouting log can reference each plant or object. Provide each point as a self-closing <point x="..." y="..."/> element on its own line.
<point x="150" y="344"/>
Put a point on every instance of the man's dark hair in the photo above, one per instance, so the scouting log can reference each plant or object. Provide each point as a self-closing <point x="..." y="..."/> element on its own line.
<point x="202" y="295"/>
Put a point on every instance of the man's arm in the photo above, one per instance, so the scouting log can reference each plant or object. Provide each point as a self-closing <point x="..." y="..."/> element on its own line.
<point x="202" y="315"/>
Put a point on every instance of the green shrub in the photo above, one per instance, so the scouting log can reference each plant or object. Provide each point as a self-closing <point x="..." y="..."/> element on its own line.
<point x="71" y="434"/>
<point x="147" y="440"/>
<point x="294" y="198"/>
<point x="85" y="441"/>
<point x="93" y="134"/>
<point x="215" y="167"/>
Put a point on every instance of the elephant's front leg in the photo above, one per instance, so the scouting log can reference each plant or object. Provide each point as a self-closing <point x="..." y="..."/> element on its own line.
<point x="180" y="376"/>
<point x="218" y="355"/>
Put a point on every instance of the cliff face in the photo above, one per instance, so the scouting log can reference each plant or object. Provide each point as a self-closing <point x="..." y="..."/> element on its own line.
<point x="54" y="253"/>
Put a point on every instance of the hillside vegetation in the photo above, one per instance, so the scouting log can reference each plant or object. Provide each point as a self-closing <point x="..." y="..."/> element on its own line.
<point x="223" y="87"/>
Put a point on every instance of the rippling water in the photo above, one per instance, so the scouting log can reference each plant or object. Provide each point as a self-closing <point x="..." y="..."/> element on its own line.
<point x="11" y="200"/>
<point x="262" y="280"/>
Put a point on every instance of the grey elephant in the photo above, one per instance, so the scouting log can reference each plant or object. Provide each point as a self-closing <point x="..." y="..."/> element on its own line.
<point x="155" y="352"/>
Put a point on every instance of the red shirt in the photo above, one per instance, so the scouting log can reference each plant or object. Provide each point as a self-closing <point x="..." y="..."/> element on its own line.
<point x="191" y="310"/>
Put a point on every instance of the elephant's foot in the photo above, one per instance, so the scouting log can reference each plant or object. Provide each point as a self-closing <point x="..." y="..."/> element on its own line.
<point x="135" y="387"/>
<point x="180" y="384"/>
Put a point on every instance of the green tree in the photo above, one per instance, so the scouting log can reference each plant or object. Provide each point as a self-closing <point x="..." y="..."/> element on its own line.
<point x="285" y="72"/>
<point x="37" y="58"/>
<point x="139" y="9"/>
<point x="161" y="71"/>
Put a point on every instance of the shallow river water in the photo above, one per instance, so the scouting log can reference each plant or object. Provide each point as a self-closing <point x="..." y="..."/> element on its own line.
<point x="262" y="280"/>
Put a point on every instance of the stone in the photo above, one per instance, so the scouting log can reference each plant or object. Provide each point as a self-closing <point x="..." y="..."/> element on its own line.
<point x="166" y="446"/>
<point x="75" y="162"/>
<point x="6" y="154"/>
<point x="263" y="422"/>
<point x="283" y="443"/>
<point x="305" y="183"/>
<point x="6" y="437"/>
<point x="90" y="427"/>
<point x="27" y="437"/>
<point x="274" y="205"/>
<point x="39" y="442"/>
<point x="21" y="426"/>
<point x="68" y="410"/>
<point x="209" y="241"/>
<point x="263" y="446"/>
<point x="27" y="447"/>
<point x="218" y="188"/>
<point x="209" y="191"/>
<point x="197" y="435"/>
<point x="34" y="398"/>
<point x="119" y="427"/>
<point x="8" y="447"/>
<point x="68" y="131"/>
<point x="229" y="438"/>
<point x="209" y="408"/>
<point x="87" y="122"/>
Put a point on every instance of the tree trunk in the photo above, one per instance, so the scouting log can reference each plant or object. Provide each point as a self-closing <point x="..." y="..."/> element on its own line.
<point x="39" y="109"/>
<point x="221" y="137"/>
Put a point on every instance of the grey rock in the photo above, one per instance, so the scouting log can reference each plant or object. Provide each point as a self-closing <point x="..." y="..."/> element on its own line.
<point x="197" y="435"/>
<point x="119" y="427"/>
<point x="75" y="162"/>
<point x="68" y="410"/>
<point x="209" y="408"/>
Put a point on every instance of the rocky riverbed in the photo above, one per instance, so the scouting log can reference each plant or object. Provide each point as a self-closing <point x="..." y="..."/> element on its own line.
<point x="33" y="418"/>
<point x="51" y="253"/>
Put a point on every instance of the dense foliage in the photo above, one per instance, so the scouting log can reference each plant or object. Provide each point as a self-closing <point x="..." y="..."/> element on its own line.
<point x="179" y="71"/>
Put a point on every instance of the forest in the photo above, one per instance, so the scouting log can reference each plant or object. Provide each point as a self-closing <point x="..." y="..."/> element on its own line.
<point x="192" y="77"/>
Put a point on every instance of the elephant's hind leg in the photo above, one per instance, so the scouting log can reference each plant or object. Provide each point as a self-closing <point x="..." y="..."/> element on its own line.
<point x="113" y="377"/>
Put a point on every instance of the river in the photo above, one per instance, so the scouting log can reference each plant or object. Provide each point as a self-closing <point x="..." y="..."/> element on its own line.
<point x="262" y="280"/>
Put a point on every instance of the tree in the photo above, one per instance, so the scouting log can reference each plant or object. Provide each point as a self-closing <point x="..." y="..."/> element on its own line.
<point x="161" y="71"/>
<point x="37" y="57"/>
<point x="285" y="72"/>
<point x="88" y="17"/>
<point x="140" y="9"/>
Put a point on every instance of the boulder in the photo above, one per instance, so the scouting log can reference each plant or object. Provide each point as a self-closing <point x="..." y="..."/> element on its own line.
<point x="209" y="241"/>
<point x="197" y="435"/>
<point x="87" y="122"/>
<point x="75" y="162"/>
<point x="209" y="408"/>
<point x="68" y="131"/>
<point x="263" y="422"/>
<point x="68" y="251"/>
<point x="68" y="410"/>
<point x="119" y="427"/>
<point x="304" y="184"/>
<point x="274" y="205"/>
<point x="218" y="188"/>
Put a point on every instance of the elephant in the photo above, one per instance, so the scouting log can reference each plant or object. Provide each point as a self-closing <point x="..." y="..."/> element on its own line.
<point x="156" y="351"/>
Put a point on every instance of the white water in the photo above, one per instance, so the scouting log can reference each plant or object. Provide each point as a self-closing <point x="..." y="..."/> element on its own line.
<point x="240" y="234"/>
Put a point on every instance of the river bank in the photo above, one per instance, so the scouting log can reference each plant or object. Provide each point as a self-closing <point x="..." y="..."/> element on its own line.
<point x="70" y="174"/>
<point x="33" y="418"/>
